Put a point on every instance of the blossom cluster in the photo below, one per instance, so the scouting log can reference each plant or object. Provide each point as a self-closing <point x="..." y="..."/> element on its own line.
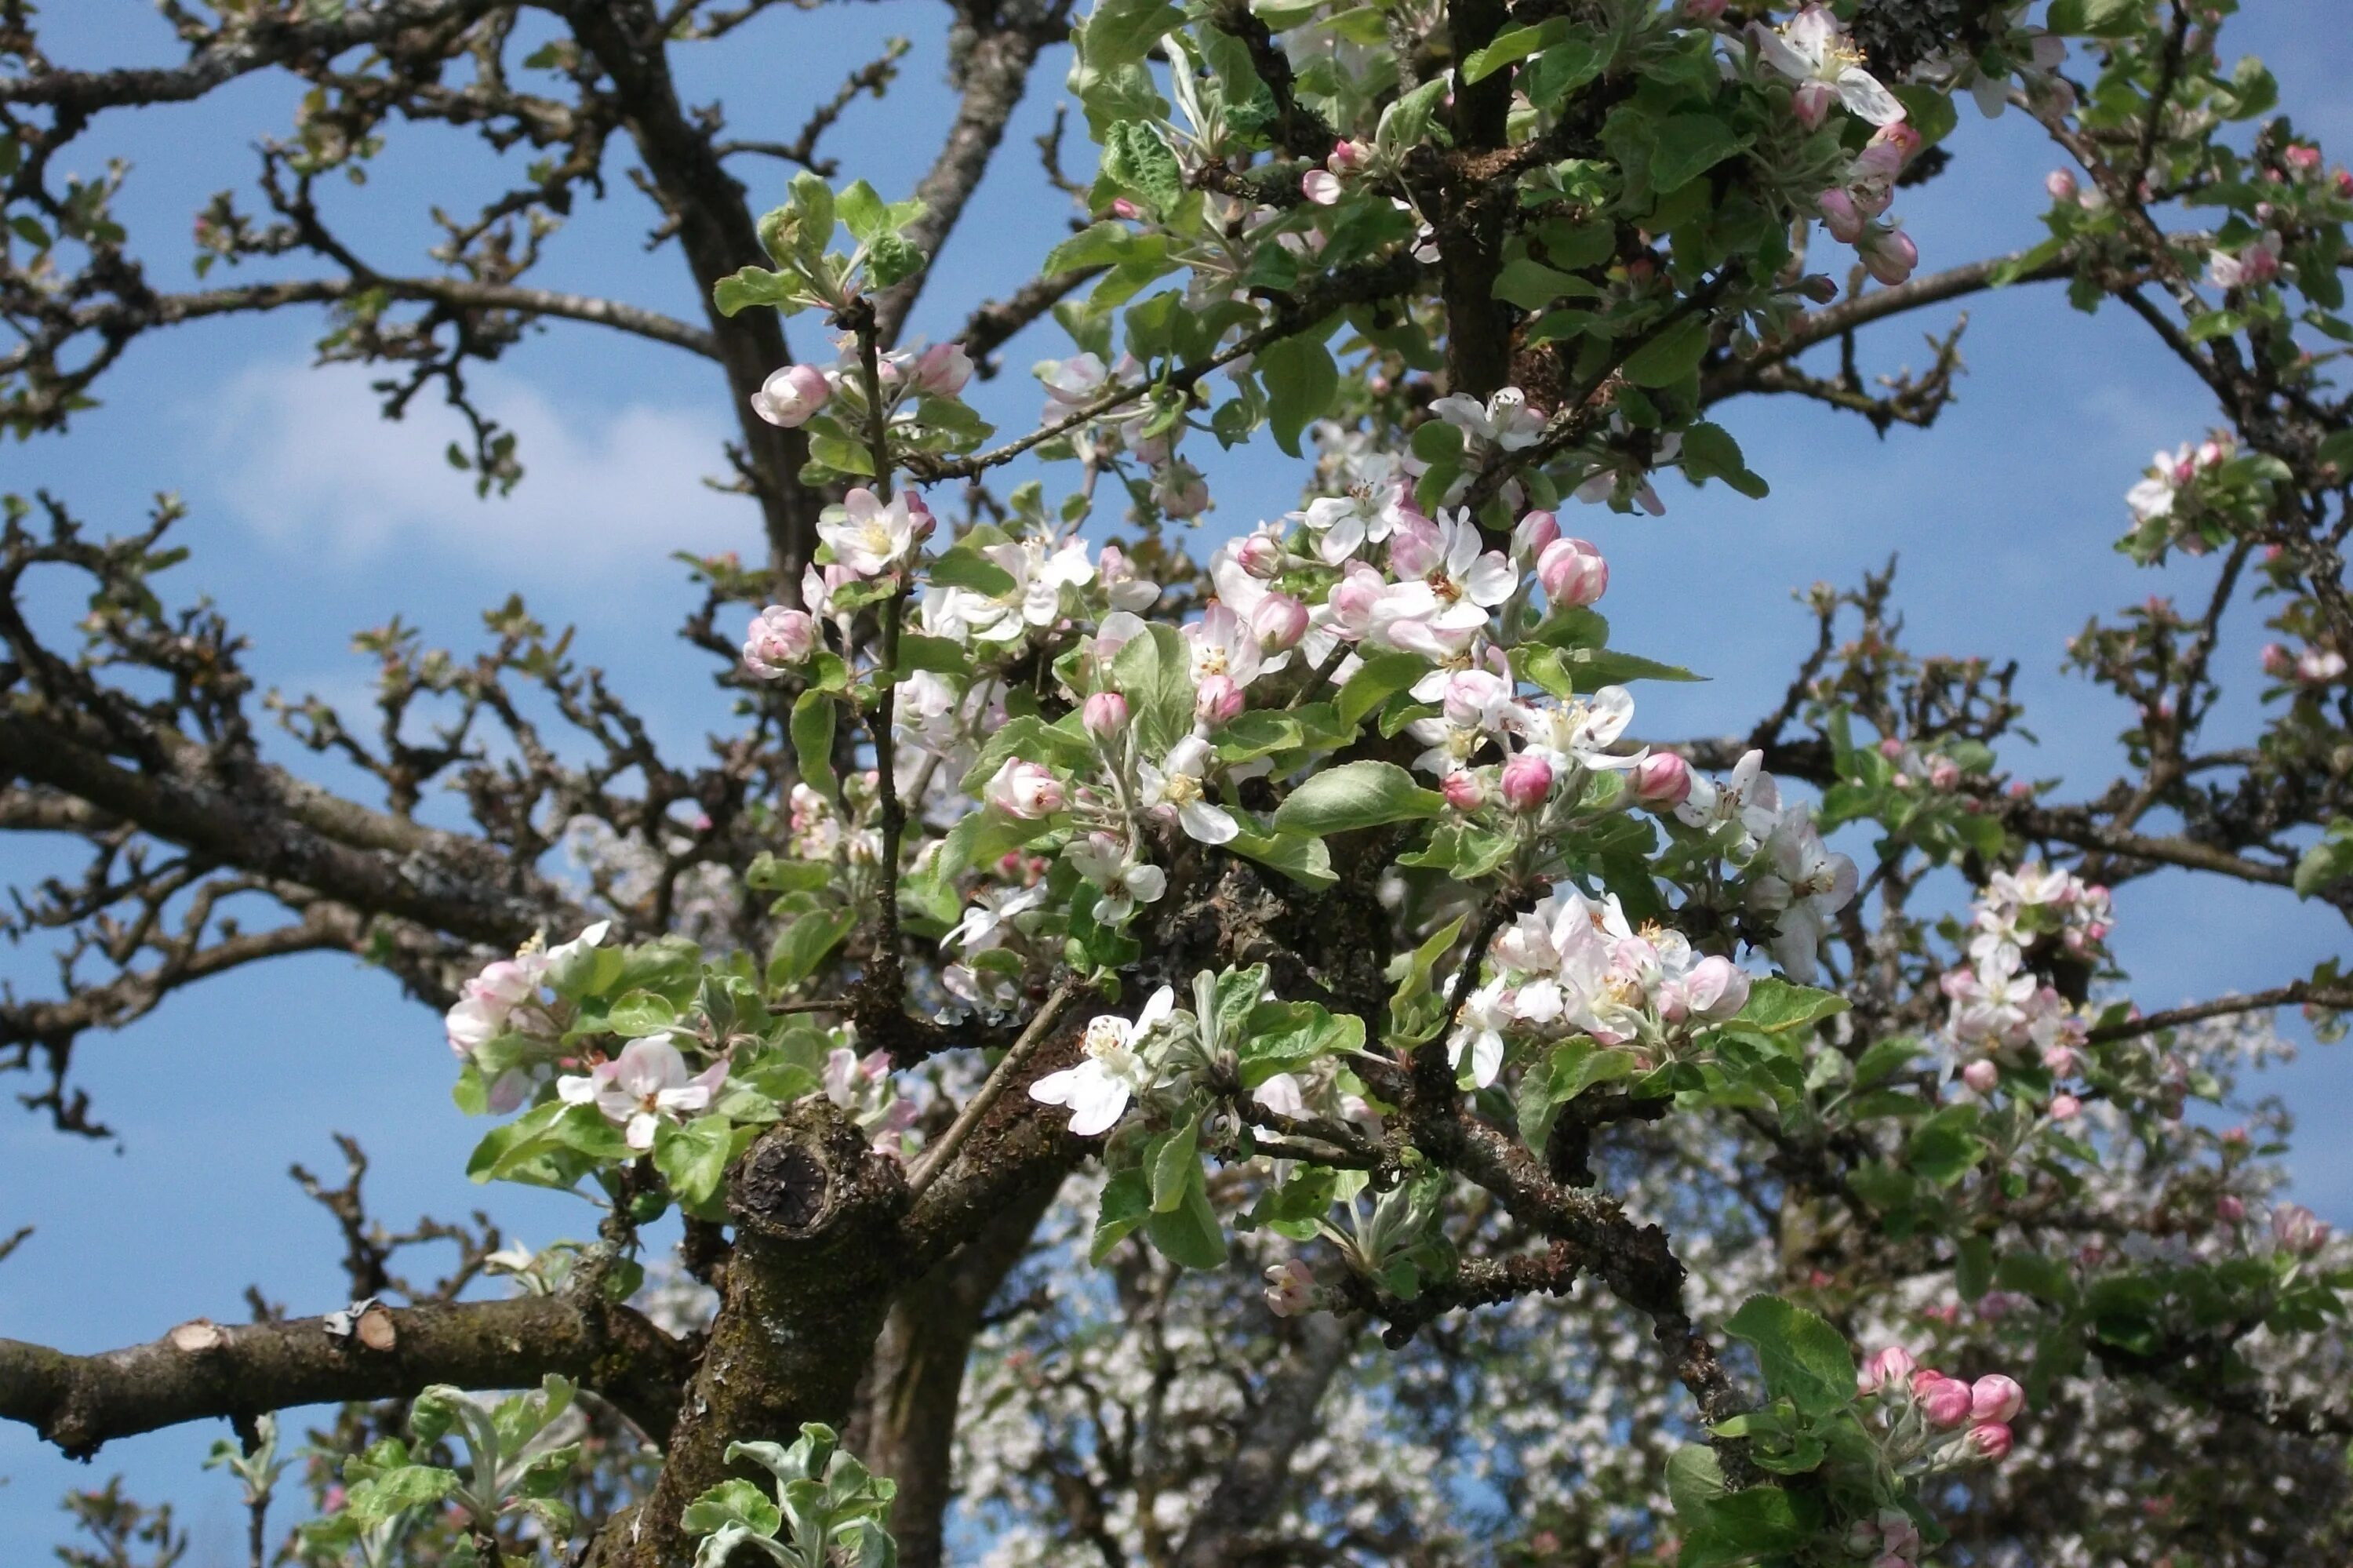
<point x="1932" y="1422"/>
<point x="507" y="1006"/>
<point x="1996" y="1007"/>
<point x="1573" y="966"/>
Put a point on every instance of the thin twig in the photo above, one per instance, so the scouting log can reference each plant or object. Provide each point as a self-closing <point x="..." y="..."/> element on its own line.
<point x="935" y="1163"/>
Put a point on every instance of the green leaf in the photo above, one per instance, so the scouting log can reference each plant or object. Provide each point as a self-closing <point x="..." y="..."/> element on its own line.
<point x="1173" y="1165"/>
<point x="1189" y="1235"/>
<point x="2326" y="861"/>
<point x="1531" y="285"/>
<point x="1946" y="1147"/>
<point x="640" y="1013"/>
<point x="1688" y="145"/>
<point x="1284" y="1036"/>
<point x="1301" y="380"/>
<point x="813" y="719"/>
<point x="1510" y="46"/>
<point x="2099" y="18"/>
<point x="1674" y="354"/>
<point x="1777" y="1007"/>
<point x="1155" y="672"/>
<point x="1122" y="32"/>
<point x="1135" y="158"/>
<point x="756" y="286"/>
<point x="1568" y="1072"/>
<point x="803" y="944"/>
<point x="1408" y="122"/>
<point x="730" y="1502"/>
<point x="692" y="1157"/>
<point x="1379" y="677"/>
<point x="1695" y="1480"/>
<point x="1710" y="453"/>
<point x="1356" y="795"/>
<point x="1127" y="1201"/>
<point x="385" y="1497"/>
<point x="1302" y="857"/>
<point x="1804" y="1359"/>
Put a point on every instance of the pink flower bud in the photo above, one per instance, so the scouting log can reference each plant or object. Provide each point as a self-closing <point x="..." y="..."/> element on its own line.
<point x="2303" y="160"/>
<point x="1715" y="990"/>
<point x="1890" y="256"/>
<point x="1321" y="186"/>
<point x="1891" y="749"/>
<point x="1994" y="1397"/>
<point x="1259" y="555"/>
<point x="1527" y="780"/>
<point x="1990" y="1442"/>
<point x="1124" y="208"/>
<point x="2298" y="1230"/>
<point x="1840" y="216"/>
<point x="2065" y="1107"/>
<point x="1982" y="1075"/>
<point x="1946" y="1403"/>
<point x="1811" y="103"/>
<point x="2061" y="185"/>
<point x="1819" y="287"/>
<point x="1463" y="790"/>
<point x="1217" y="699"/>
<point x="1532" y="534"/>
<point x="1892" y="1365"/>
<point x="1901" y="137"/>
<point x="1026" y="789"/>
<point x="1278" y="623"/>
<point x="2231" y="1209"/>
<point x="1573" y="573"/>
<point x="779" y="638"/>
<point x="2061" y="1058"/>
<point x="943" y="369"/>
<point x="1348" y="157"/>
<point x="1661" y="781"/>
<point x="790" y="396"/>
<point x="1105" y="716"/>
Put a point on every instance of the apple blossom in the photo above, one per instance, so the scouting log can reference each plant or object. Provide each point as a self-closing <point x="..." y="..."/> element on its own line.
<point x="871" y="536"/>
<point x="1028" y="790"/>
<point x="1259" y="554"/>
<point x="1808" y="883"/>
<point x="1173" y="787"/>
<point x="1505" y="420"/>
<point x="1841" y="216"/>
<point x="792" y="396"/>
<point x="2060" y="184"/>
<point x="2297" y="1229"/>
<point x="1218" y="699"/>
<point x="1321" y="186"/>
<point x="1278" y="623"/>
<point x="1104" y="860"/>
<point x="1982" y="1075"/>
<point x="2065" y="1107"/>
<point x="1891" y="1366"/>
<point x="1661" y="781"/>
<point x="1989" y="1440"/>
<point x="1073" y="381"/>
<point x="988" y="921"/>
<point x="1815" y="53"/>
<point x="943" y="369"/>
<point x="1104" y="715"/>
<point x="1463" y="790"/>
<point x="645" y="1086"/>
<point x="1349" y="157"/>
<point x="1994" y="1397"/>
<point x="1115" y="1069"/>
<point x="1945" y="1401"/>
<point x="780" y="638"/>
<point x="1289" y="1289"/>
<point x="1526" y="782"/>
<point x="1573" y="573"/>
<point x="1889" y="255"/>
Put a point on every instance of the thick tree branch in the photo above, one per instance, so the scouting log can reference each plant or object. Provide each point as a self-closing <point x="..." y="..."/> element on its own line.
<point x="202" y="1371"/>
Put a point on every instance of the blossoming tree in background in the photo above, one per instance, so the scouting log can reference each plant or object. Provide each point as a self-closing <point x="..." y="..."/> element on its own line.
<point x="1232" y="1046"/>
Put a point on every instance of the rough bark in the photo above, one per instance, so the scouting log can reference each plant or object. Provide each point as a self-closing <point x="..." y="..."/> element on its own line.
<point x="817" y="1259"/>
<point x="907" y="1422"/>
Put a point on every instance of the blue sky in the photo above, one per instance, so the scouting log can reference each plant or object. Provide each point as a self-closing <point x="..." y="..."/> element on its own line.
<point x="311" y="519"/>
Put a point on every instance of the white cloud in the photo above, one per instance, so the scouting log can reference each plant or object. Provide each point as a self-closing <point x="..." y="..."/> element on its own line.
<point x="304" y="457"/>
